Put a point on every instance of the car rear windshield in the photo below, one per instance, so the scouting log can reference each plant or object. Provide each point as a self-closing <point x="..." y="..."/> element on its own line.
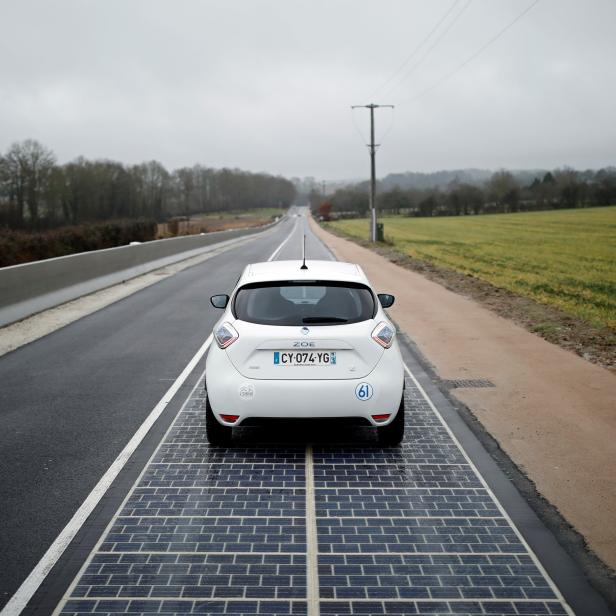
<point x="304" y="303"/>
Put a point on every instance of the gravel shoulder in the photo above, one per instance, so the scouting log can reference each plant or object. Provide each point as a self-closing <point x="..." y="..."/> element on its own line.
<point x="551" y="411"/>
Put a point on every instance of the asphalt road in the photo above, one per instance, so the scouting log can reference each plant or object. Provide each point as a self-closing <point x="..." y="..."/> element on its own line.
<point x="422" y="528"/>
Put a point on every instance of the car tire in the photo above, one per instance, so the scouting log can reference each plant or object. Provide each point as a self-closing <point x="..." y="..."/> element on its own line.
<point x="393" y="433"/>
<point x="217" y="434"/>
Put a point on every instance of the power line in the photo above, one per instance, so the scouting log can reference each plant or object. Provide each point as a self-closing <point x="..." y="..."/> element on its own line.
<point x="417" y="48"/>
<point x="388" y="130"/>
<point x="436" y="42"/>
<point x="357" y="128"/>
<point x="474" y="55"/>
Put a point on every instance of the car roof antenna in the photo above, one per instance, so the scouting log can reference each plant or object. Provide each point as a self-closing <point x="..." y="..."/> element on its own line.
<point x="304" y="266"/>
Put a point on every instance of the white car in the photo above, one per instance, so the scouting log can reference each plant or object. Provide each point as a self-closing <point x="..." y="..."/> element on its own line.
<point x="304" y="342"/>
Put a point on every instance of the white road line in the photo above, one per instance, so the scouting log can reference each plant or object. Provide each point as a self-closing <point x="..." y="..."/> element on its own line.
<point x="277" y="251"/>
<point x="312" y="545"/>
<point x="31" y="584"/>
<point x="117" y="514"/>
<point x="538" y="564"/>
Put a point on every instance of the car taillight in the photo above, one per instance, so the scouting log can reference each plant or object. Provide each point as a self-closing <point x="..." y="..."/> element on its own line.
<point x="384" y="334"/>
<point x="225" y="335"/>
<point x="381" y="417"/>
<point x="229" y="418"/>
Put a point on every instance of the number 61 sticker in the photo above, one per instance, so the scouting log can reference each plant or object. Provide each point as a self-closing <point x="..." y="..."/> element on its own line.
<point x="363" y="391"/>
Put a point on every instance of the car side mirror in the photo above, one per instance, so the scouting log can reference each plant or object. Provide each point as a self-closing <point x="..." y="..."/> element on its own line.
<point x="219" y="301"/>
<point x="386" y="300"/>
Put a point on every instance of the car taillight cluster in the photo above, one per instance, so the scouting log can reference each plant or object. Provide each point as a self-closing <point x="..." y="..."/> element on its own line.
<point x="225" y="335"/>
<point x="381" y="417"/>
<point x="384" y="334"/>
<point x="229" y="418"/>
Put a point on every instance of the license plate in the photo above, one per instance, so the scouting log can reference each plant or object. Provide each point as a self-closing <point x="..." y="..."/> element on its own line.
<point x="304" y="358"/>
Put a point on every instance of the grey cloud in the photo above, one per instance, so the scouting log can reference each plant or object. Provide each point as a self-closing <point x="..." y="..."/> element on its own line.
<point x="267" y="85"/>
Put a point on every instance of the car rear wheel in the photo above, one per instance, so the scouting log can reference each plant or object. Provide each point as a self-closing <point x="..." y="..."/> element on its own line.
<point x="217" y="434"/>
<point x="393" y="433"/>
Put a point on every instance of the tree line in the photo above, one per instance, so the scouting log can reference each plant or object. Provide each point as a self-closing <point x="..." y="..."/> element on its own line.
<point x="561" y="188"/>
<point x="38" y="193"/>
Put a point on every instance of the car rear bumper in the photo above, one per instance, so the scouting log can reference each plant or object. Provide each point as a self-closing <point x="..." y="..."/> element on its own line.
<point x="231" y="393"/>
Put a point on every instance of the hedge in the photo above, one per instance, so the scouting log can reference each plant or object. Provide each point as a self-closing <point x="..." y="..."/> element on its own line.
<point x="22" y="247"/>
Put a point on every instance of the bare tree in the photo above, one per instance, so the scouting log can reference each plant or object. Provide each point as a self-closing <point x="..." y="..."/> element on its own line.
<point x="185" y="180"/>
<point x="35" y="191"/>
<point x="29" y="164"/>
<point x="155" y="185"/>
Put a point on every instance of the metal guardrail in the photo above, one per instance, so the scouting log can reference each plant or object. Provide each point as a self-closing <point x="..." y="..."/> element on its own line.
<point x="29" y="288"/>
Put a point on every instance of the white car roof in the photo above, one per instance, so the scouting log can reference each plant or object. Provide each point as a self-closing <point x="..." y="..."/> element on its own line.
<point x="290" y="270"/>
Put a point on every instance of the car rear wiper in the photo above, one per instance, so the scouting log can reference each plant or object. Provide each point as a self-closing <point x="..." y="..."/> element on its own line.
<point x="324" y="320"/>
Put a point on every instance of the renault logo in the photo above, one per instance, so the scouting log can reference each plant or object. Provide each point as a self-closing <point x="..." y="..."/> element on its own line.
<point x="305" y="331"/>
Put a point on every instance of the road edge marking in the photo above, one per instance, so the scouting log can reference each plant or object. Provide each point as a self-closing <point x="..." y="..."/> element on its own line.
<point x="31" y="584"/>
<point x="312" y="544"/>
<point x="282" y="245"/>
<point x="118" y="512"/>
<point x="505" y="514"/>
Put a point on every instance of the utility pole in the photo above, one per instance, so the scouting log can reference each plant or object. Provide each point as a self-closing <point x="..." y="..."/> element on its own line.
<point x="372" y="146"/>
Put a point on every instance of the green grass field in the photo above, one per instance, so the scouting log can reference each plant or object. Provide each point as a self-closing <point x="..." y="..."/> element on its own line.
<point x="563" y="258"/>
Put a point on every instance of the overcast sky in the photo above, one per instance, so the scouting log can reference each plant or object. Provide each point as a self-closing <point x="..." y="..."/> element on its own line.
<point x="267" y="85"/>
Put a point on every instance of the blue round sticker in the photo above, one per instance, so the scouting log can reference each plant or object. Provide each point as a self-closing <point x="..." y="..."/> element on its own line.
<point x="363" y="391"/>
